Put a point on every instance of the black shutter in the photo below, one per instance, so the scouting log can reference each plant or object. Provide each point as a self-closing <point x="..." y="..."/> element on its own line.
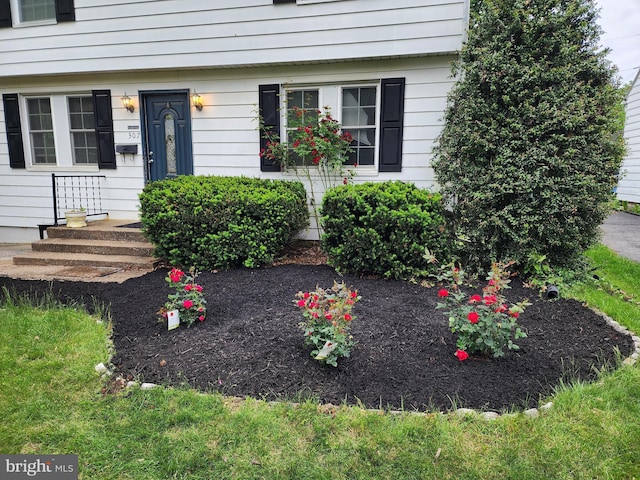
<point x="104" y="128"/>
<point x="391" y="124"/>
<point x="14" y="130"/>
<point x="65" y="11"/>
<point x="269" y="109"/>
<point x="5" y="13"/>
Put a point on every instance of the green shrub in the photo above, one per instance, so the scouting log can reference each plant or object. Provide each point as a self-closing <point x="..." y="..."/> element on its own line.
<point x="222" y="222"/>
<point x="531" y="148"/>
<point x="383" y="229"/>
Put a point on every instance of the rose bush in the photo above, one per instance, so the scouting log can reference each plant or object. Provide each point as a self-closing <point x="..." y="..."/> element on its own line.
<point x="188" y="298"/>
<point x="486" y="323"/>
<point x="316" y="149"/>
<point x="327" y="318"/>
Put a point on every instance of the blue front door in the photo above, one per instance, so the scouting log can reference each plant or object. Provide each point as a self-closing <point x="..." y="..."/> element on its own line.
<point x="167" y="134"/>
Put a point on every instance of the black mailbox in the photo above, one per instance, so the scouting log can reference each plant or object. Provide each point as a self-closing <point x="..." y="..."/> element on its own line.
<point x="127" y="149"/>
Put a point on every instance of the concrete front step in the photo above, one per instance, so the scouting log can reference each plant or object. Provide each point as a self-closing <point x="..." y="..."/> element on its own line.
<point x="99" y="230"/>
<point x="99" y="247"/>
<point x="86" y="259"/>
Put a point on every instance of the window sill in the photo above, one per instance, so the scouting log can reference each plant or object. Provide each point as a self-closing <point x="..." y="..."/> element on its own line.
<point x="36" y="23"/>
<point x="61" y="168"/>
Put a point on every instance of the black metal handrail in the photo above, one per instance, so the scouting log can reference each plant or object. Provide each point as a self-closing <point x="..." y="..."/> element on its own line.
<point x="75" y="192"/>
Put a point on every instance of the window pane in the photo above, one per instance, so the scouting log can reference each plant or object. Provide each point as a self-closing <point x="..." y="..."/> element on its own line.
<point x="302" y="106"/>
<point x="34" y="10"/>
<point x="294" y="99"/>
<point x="366" y="156"/>
<point x="170" y="144"/>
<point x="43" y="148"/>
<point x="368" y="116"/>
<point x="368" y="97"/>
<point x="83" y="138"/>
<point x="350" y="97"/>
<point x="350" y="116"/>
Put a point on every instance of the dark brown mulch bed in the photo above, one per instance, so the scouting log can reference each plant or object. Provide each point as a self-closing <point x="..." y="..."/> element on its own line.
<point x="250" y="344"/>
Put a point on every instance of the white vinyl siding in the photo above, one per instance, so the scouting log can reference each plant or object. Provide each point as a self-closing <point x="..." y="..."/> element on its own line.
<point x="629" y="185"/>
<point x="115" y="35"/>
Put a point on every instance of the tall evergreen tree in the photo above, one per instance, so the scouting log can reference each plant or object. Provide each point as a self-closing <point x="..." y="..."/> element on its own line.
<point x="531" y="146"/>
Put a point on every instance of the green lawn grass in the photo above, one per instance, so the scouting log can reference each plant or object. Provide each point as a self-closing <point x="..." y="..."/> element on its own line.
<point x="50" y="402"/>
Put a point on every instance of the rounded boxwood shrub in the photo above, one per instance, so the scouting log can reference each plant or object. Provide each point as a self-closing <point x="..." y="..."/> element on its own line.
<point x="383" y="229"/>
<point x="222" y="222"/>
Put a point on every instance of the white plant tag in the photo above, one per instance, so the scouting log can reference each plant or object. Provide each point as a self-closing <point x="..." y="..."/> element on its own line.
<point x="325" y="351"/>
<point x="173" y="319"/>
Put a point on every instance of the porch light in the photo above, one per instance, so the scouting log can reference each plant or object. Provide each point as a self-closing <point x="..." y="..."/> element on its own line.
<point x="127" y="103"/>
<point x="196" y="99"/>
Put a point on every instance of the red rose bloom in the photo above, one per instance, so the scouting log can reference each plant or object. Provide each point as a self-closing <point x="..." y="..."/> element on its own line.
<point x="475" y="299"/>
<point x="443" y="293"/>
<point x="176" y="275"/>
<point x="473" y="317"/>
<point x="188" y="287"/>
<point x="461" y="354"/>
<point x="514" y="314"/>
<point x="347" y="317"/>
<point x="490" y="299"/>
<point x="187" y="304"/>
<point x="301" y="303"/>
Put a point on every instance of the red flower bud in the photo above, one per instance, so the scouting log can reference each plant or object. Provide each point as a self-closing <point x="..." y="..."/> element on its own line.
<point x="461" y="354"/>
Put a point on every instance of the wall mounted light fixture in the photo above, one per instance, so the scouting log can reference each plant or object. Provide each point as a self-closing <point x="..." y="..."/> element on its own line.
<point x="127" y="103"/>
<point x="196" y="99"/>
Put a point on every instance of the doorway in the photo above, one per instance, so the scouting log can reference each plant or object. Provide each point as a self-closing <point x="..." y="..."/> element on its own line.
<point x="166" y="134"/>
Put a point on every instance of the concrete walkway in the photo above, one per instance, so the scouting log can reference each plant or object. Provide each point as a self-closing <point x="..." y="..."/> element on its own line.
<point x="621" y="233"/>
<point x="57" y="272"/>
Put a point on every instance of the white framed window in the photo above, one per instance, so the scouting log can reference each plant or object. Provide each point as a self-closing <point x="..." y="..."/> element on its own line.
<point x="43" y="149"/>
<point x="60" y="132"/>
<point x="356" y="107"/>
<point x="360" y="119"/>
<point x="82" y="129"/>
